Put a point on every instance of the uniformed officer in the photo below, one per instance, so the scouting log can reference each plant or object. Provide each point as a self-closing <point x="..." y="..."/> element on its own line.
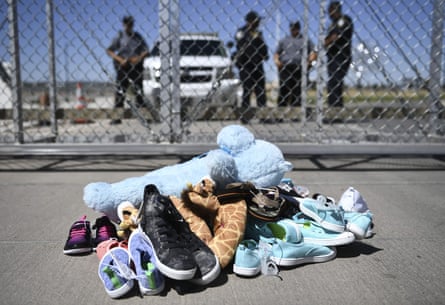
<point x="288" y="58"/>
<point x="128" y="50"/>
<point x="339" y="54"/>
<point x="250" y="54"/>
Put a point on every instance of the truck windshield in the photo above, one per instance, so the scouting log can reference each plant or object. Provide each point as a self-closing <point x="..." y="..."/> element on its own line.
<point x="191" y="47"/>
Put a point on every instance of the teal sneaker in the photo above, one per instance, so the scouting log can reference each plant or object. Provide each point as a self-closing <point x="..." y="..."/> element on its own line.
<point x="313" y="233"/>
<point x="247" y="259"/>
<point x="256" y="228"/>
<point x="325" y="213"/>
<point x="359" y="224"/>
<point x="288" y="248"/>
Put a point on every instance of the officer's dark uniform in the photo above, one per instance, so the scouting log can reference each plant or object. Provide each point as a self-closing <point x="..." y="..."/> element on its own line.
<point x="339" y="58"/>
<point x="251" y="52"/>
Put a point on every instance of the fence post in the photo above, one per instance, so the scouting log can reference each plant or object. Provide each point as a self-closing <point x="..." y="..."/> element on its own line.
<point x="321" y="64"/>
<point x="169" y="80"/>
<point x="436" y="66"/>
<point x="51" y="66"/>
<point x="304" y="62"/>
<point x="16" y="80"/>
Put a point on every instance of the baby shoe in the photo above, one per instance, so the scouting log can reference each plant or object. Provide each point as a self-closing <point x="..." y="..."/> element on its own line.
<point x="115" y="272"/>
<point x="289" y="249"/>
<point x="150" y="279"/>
<point x="79" y="238"/>
<point x="247" y="259"/>
<point x="323" y="211"/>
<point x="313" y="233"/>
<point x="105" y="230"/>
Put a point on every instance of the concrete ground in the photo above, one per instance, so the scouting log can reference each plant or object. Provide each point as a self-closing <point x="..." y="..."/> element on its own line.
<point x="404" y="263"/>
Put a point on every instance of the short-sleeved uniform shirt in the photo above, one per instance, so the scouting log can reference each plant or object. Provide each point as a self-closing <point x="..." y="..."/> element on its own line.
<point x="290" y="49"/>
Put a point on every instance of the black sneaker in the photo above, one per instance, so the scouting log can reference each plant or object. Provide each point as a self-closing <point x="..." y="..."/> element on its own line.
<point x="173" y="259"/>
<point x="105" y="230"/>
<point x="207" y="262"/>
<point x="79" y="239"/>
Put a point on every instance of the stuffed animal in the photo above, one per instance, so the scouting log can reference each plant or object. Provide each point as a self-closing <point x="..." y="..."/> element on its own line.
<point x="129" y="219"/>
<point x="220" y="226"/>
<point x="240" y="157"/>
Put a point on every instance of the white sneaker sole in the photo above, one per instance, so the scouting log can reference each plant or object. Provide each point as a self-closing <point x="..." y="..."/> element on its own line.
<point x="291" y="262"/>
<point x="244" y="271"/>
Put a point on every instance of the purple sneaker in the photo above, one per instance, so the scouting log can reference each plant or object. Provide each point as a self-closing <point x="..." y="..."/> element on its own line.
<point x="105" y="230"/>
<point x="79" y="239"/>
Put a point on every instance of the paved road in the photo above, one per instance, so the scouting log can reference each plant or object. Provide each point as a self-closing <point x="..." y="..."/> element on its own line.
<point x="404" y="263"/>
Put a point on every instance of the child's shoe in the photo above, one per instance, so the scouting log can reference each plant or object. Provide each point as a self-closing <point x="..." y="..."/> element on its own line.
<point x="247" y="258"/>
<point x="105" y="246"/>
<point x="324" y="212"/>
<point x="105" y="230"/>
<point x="288" y="248"/>
<point x="151" y="280"/>
<point x="115" y="272"/>
<point x="313" y="233"/>
<point x="79" y="239"/>
<point x="359" y="224"/>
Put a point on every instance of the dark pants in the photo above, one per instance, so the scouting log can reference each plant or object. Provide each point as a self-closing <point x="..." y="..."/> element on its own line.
<point x="253" y="81"/>
<point x="290" y="86"/>
<point x="135" y="74"/>
<point x="337" y="70"/>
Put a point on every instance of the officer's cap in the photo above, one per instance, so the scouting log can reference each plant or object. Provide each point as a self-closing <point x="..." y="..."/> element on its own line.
<point x="128" y="20"/>
<point x="252" y="16"/>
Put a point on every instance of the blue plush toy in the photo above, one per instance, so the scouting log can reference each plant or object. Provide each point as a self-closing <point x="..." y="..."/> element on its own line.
<point x="239" y="158"/>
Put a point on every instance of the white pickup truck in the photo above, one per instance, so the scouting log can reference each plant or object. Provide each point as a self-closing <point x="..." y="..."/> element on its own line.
<point x="204" y="62"/>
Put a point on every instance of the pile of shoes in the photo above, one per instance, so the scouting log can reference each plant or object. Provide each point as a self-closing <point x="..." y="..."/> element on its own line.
<point x="161" y="246"/>
<point x="308" y="233"/>
<point x="155" y="243"/>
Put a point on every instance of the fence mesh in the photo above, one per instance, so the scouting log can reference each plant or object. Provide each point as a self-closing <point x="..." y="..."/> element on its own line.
<point x="58" y="83"/>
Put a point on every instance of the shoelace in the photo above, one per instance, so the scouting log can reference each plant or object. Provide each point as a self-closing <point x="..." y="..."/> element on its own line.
<point x="79" y="229"/>
<point x="118" y="269"/>
<point x="268" y="267"/>
<point x="325" y="204"/>
<point x="105" y="231"/>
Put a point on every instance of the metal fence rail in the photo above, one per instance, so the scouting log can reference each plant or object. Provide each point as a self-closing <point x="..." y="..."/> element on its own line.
<point x="57" y="83"/>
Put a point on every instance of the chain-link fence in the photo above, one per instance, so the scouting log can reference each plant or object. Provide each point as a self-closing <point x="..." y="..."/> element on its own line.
<point x="278" y="69"/>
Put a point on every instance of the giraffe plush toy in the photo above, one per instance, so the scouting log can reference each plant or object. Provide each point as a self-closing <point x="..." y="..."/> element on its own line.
<point x="220" y="226"/>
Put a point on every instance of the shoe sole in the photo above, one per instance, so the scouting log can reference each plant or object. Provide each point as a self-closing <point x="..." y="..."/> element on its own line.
<point x="78" y="251"/>
<point x="244" y="271"/>
<point x="356" y="230"/>
<point x="345" y="239"/>
<point x="175" y="274"/>
<point x="325" y="224"/>
<point x="291" y="262"/>
<point x="210" y="276"/>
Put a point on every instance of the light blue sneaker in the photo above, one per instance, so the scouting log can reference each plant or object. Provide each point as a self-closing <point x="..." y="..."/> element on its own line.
<point x="325" y="213"/>
<point x="247" y="258"/>
<point x="359" y="224"/>
<point x="288" y="248"/>
<point x="256" y="228"/>
<point x="313" y="233"/>
<point x="150" y="279"/>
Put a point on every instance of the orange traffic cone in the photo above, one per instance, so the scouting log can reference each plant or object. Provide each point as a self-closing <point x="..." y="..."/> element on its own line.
<point x="81" y="103"/>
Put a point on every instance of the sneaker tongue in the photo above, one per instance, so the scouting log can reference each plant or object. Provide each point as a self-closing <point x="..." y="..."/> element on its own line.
<point x="286" y="232"/>
<point x="292" y="231"/>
